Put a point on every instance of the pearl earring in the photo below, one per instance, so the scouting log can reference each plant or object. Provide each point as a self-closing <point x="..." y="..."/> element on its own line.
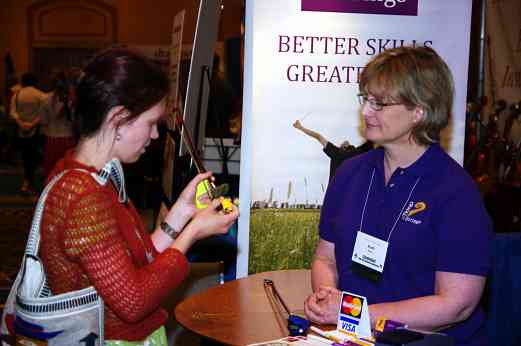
<point x="118" y="136"/>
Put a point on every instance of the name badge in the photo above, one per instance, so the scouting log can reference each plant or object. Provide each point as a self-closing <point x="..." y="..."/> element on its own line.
<point x="370" y="251"/>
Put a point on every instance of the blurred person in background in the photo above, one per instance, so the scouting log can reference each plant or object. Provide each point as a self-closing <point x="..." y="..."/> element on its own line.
<point x="56" y="119"/>
<point x="26" y="108"/>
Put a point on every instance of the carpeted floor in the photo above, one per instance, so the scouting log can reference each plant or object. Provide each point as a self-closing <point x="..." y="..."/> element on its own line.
<point x="14" y="229"/>
<point x="16" y="211"/>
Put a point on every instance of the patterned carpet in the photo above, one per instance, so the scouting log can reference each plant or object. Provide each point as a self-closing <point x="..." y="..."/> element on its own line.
<point x="16" y="211"/>
<point x="14" y="229"/>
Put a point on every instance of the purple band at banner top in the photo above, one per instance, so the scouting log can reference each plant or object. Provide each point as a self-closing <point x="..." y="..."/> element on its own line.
<point x="390" y="7"/>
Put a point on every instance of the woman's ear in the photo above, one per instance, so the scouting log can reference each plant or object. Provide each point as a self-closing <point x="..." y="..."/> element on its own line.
<point x="116" y="115"/>
<point x="419" y="114"/>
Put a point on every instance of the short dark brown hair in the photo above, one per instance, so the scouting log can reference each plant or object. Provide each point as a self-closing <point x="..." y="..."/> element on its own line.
<point x="414" y="76"/>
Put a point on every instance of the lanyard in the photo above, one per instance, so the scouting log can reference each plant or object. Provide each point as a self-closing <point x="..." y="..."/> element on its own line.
<point x="401" y="211"/>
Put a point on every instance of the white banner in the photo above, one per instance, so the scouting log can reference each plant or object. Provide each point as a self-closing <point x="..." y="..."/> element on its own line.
<point x="503" y="58"/>
<point x="302" y="60"/>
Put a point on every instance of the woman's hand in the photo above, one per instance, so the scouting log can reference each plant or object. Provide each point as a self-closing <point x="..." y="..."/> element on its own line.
<point x="322" y="306"/>
<point x="184" y="208"/>
<point x="212" y="221"/>
<point x="206" y="222"/>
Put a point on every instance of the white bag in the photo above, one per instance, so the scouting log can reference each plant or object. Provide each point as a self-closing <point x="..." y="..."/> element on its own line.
<point x="33" y="316"/>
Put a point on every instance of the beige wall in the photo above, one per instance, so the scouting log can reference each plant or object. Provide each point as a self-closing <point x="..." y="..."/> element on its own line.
<point x="138" y="23"/>
<point x="14" y="36"/>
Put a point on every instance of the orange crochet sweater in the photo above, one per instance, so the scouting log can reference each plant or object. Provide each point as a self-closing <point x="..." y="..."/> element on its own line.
<point x="89" y="238"/>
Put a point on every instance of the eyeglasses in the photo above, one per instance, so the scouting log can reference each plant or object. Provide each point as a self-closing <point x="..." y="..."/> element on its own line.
<point x="374" y="104"/>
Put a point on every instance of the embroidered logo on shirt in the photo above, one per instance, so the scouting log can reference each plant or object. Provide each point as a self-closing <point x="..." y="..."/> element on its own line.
<point x="412" y="209"/>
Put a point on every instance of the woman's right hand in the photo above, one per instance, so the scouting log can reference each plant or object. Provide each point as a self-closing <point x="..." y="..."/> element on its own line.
<point x="211" y="221"/>
<point x="205" y="223"/>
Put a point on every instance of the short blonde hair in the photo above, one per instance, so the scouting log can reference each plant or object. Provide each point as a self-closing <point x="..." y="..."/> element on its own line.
<point x="414" y="76"/>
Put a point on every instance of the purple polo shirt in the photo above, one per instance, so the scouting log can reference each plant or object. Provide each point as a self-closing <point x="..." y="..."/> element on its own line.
<point x="453" y="233"/>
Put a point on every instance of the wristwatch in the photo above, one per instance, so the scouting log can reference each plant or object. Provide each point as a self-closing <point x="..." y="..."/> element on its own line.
<point x="169" y="230"/>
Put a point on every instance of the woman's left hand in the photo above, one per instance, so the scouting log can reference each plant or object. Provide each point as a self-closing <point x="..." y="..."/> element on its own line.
<point x="184" y="208"/>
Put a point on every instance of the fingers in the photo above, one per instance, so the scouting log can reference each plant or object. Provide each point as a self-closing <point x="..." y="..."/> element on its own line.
<point x="327" y="290"/>
<point x="214" y="204"/>
<point x="212" y="221"/>
<point x="233" y="215"/>
<point x="322" y="306"/>
<point x="188" y="192"/>
<point x="204" y="199"/>
<point x="227" y="219"/>
<point x="314" y="312"/>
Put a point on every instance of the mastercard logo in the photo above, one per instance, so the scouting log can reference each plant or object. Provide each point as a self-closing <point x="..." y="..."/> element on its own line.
<point x="351" y="306"/>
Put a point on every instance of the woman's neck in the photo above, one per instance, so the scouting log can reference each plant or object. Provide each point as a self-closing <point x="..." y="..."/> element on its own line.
<point x="93" y="152"/>
<point x="401" y="156"/>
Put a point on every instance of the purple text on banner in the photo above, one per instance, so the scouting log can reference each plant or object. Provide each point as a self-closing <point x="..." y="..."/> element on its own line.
<point x="390" y="7"/>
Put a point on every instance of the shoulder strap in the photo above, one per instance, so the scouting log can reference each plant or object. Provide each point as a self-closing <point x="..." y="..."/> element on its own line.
<point x="33" y="241"/>
<point x="112" y="171"/>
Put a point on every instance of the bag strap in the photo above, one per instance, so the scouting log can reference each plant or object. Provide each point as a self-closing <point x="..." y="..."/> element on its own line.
<point x="33" y="241"/>
<point x="112" y="171"/>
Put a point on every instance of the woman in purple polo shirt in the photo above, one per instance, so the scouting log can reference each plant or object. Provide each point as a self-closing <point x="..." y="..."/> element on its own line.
<point x="404" y="225"/>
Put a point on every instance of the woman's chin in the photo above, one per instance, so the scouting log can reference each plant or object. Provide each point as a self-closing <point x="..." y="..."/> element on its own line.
<point x="372" y="136"/>
<point x="132" y="159"/>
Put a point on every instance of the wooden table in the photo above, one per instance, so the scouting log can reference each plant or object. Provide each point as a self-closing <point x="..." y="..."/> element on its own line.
<point x="240" y="312"/>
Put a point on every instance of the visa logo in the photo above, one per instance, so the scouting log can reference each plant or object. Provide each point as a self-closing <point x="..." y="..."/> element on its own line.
<point x="349" y="324"/>
<point x="348" y="327"/>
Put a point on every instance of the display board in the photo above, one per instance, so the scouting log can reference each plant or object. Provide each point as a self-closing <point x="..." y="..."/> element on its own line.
<point x="302" y="61"/>
<point x="198" y="89"/>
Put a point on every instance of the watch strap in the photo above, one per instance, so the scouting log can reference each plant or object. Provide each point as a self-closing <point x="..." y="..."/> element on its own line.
<point x="169" y="230"/>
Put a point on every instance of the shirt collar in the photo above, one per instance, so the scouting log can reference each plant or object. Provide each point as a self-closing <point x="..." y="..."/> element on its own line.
<point x="424" y="166"/>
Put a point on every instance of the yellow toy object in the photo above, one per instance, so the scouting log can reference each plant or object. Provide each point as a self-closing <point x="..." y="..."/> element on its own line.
<point x="206" y="188"/>
<point x="227" y="205"/>
<point x="202" y="189"/>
